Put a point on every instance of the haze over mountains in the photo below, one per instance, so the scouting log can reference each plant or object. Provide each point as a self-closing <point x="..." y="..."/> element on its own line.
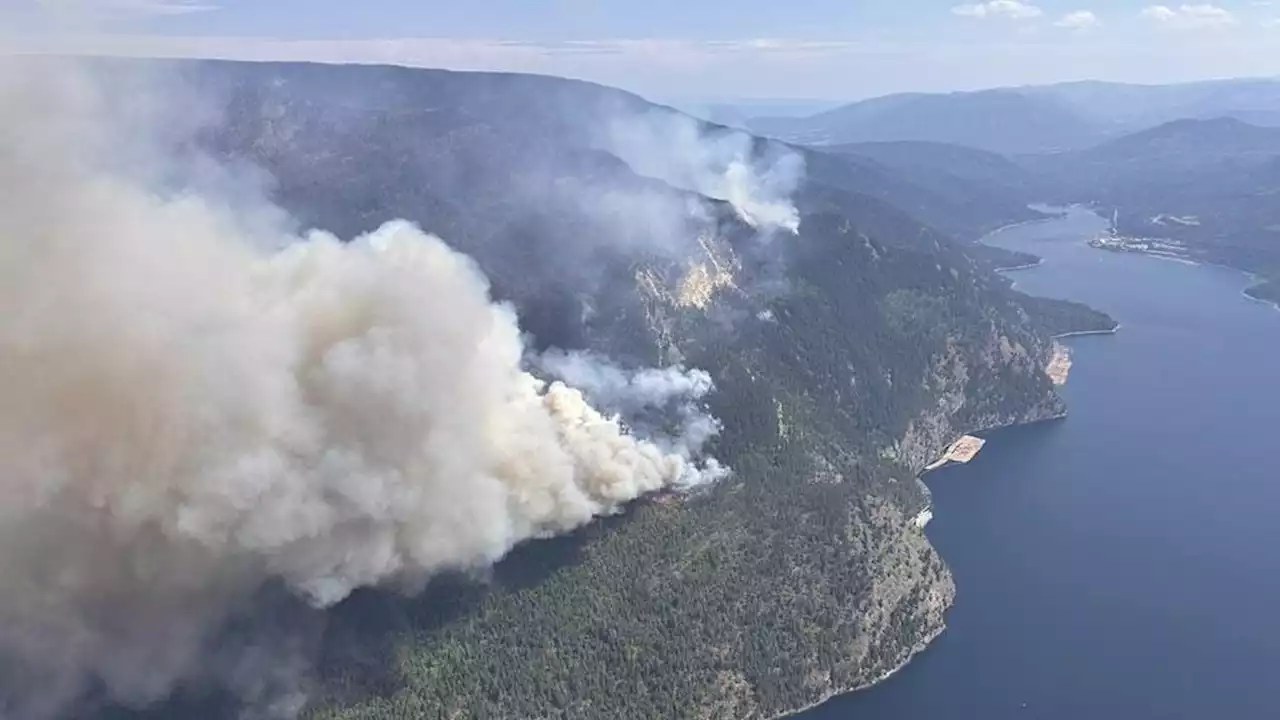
<point x="1049" y="118"/>
<point x="1207" y="153"/>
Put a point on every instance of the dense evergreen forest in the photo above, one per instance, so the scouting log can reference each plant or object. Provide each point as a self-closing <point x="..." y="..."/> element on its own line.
<point x="844" y="357"/>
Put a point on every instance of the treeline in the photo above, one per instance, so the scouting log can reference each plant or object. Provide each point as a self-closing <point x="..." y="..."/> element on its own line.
<point x="1057" y="317"/>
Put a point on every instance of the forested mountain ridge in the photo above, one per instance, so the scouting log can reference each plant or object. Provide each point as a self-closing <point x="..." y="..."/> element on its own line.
<point x="1032" y="119"/>
<point x="845" y="357"/>
<point x="1209" y="185"/>
<point x="1026" y="123"/>
<point x="960" y="190"/>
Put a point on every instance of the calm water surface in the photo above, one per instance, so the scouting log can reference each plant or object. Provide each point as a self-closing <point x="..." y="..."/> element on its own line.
<point x="1124" y="563"/>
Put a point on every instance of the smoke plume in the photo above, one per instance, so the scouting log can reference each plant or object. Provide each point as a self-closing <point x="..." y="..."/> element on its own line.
<point x="721" y="164"/>
<point x="188" y="413"/>
<point x="662" y="403"/>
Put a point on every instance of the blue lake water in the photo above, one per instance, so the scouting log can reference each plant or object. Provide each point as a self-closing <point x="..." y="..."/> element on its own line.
<point x="1123" y="563"/>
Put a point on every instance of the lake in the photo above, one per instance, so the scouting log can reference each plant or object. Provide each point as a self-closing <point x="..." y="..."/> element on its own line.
<point x="1125" y="562"/>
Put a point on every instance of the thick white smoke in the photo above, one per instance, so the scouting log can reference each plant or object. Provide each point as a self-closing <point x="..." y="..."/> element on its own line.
<point x="720" y="164"/>
<point x="186" y="415"/>
<point x="673" y="393"/>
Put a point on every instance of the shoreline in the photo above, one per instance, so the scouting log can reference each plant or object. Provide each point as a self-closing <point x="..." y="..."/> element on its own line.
<point x="943" y="461"/>
<point x="1082" y="333"/>
<point x="1028" y="266"/>
<point x="1050" y="213"/>
<point x="1275" y="304"/>
<point x="1255" y="279"/>
<point x="926" y="642"/>
<point x="1022" y="223"/>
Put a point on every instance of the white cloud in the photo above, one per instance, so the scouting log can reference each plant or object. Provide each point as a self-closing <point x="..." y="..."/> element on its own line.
<point x="729" y="69"/>
<point x="1078" y="20"/>
<point x="1011" y="9"/>
<point x="626" y="62"/>
<point x="135" y="7"/>
<point x="1190" y="17"/>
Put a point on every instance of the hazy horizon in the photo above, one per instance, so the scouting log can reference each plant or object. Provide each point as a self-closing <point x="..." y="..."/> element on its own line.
<point x="819" y="50"/>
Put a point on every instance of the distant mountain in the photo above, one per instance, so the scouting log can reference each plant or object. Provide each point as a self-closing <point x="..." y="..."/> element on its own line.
<point x="961" y="190"/>
<point x="1190" y="142"/>
<point x="1117" y="108"/>
<point x="1034" y="119"/>
<point x="1005" y="121"/>
<point x="737" y="113"/>
<point x="1190" y="153"/>
<point x="1213" y="185"/>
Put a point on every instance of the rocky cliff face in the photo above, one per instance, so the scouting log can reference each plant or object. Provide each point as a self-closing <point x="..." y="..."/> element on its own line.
<point x="908" y="602"/>
<point x="929" y="433"/>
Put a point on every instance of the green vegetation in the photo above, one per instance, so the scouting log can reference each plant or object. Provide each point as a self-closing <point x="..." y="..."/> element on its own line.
<point x="998" y="258"/>
<point x="1059" y="317"/>
<point x="800" y="575"/>
<point x="958" y="191"/>
<point x="845" y="359"/>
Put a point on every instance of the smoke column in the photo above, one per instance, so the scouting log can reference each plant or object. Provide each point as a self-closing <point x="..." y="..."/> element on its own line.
<point x="187" y="414"/>
<point x="667" y="393"/>
<point x="721" y="164"/>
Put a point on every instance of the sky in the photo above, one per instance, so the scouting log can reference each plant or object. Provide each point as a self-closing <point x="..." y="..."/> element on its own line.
<point x="694" y="50"/>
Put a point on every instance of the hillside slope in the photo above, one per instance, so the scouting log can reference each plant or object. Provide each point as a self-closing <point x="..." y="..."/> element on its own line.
<point x="1209" y="184"/>
<point x="1005" y="121"/>
<point x="957" y="189"/>
<point x="845" y="357"/>
<point x="1031" y="119"/>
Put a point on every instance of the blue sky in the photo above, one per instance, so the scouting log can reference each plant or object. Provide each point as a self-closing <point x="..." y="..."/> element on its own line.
<point x="697" y="49"/>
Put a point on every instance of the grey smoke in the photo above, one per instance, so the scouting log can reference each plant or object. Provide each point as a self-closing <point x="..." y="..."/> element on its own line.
<point x="719" y="163"/>
<point x="188" y="413"/>
<point x="631" y="393"/>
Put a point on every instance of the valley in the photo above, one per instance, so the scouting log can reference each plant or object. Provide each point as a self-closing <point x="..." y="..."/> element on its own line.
<point x="817" y="287"/>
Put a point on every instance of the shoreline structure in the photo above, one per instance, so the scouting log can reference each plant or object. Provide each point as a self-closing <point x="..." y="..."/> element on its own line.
<point x="1255" y="280"/>
<point x="962" y="450"/>
<point x="966" y="447"/>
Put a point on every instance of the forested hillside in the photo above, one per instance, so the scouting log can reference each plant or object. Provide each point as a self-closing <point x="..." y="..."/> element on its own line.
<point x="961" y="193"/>
<point x="1210" y="185"/>
<point x="845" y="357"/>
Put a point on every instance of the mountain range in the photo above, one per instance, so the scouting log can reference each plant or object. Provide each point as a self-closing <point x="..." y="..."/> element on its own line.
<point x="1037" y="119"/>
<point x="1209" y="185"/>
<point x="1195" y="163"/>
<point x="848" y="344"/>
